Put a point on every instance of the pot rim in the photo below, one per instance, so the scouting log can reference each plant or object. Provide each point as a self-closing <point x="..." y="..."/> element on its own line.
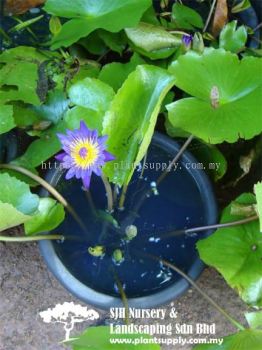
<point x="104" y="301"/>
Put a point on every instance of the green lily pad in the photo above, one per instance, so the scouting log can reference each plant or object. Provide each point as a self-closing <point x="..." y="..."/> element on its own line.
<point x="10" y="216"/>
<point x="130" y="126"/>
<point x="43" y="148"/>
<point x="98" y="338"/>
<point x="54" y="108"/>
<point x="232" y="38"/>
<point x="86" y="16"/>
<point x="19" y="74"/>
<point x="93" y="119"/>
<point x="92" y="99"/>
<point x="236" y="253"/>
<point x="115" y="41"/>
<point x="226" y="90"/>
<point x="244" y="340"/>
<point x="152" y="41"/>
<point x="114" y="74"/>
<point x="6" y="118"/>
<point x="49" y="215"/>
<point x="183" y="17"/>
<point x="17" y="203"/>
<point x="92" y="94"/>
<point x="258" y="193"/>
<point x="254" y="319"/>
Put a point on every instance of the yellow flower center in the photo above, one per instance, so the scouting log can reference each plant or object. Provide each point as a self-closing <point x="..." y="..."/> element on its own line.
<point x="84" y="153"/>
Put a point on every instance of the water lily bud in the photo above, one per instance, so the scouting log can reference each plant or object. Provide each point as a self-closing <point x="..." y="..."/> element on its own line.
<point x="55" y="25"/>
<point x="96" y="251"/>
<point x="131" y="232"/>
<point x="187" y="41"/>
<point x="118" y="256"/>
<point x="198" y="43"/>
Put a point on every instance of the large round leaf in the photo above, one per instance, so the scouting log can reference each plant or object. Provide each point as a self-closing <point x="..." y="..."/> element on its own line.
<point x="88" y="16"/>
<point x="48" y="216"/>
<point x="226" y="92"/>
<point x="244" y="340"/>
<point x="100" y="338"/>
<point x="92" y="94"/>
<point x="236" y="253"/>
<point x="258" y="193"/>
<point x="17" y="203"/>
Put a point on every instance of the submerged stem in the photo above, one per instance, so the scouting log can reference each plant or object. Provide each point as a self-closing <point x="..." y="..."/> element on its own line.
<point x="123" y="197"/>
<point x="91" y="202"/>
<point x="210" y="227"/>
<point x="176" y="158"/>
<point x="30" y="238"/>
<point x="204" y="295"/>
<point x="109" y="192"/>
<point x="48" y="187"/>
<point x="123" y="297"/>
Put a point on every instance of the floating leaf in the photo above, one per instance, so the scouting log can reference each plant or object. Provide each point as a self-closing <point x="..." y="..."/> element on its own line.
<point x="114" y="74"/>
<point x="152" y="41"/>
<point x="17" y="203"/>
<point x="54" y="108"/>
<point x="258" y="193"/>
<point x="93" y="119"/>
<point x="241" y="6"/>
<point x="244" y="340"/>
<point x="254" y="319"/>
<point x="6" y="118"/>
<point x="236" y="253"/>
<point x="92" y="94"/>
<point x="86" y="16"/>
<point x="130" y="126"/>
<point x="24" y="115"/>
<point x="98" y="338"/>
<point x="19" y="77"/>
<point x="115" y="41"/>
<point x="212" y="159"/>
<point x="92" y="98"/>
<point x="234" y="112"/>
<point x="186" y="18"/>
<point x="42" y="149"/>
<point x="220" y="17"/>
<point x="49" y="215"/>
<point x="233" y="39"/>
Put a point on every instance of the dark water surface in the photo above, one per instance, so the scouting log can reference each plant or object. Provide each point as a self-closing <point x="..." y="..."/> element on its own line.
<point x="178" y="205"/>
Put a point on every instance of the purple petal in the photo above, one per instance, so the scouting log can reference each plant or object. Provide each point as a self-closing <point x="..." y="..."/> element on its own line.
<point x="60" y="157"/>
<point x="86" y="179"/>
<point x="108" y="156"/>
<point x="187" y="40"/>
<point x="97" y="171"/>
<point x="94" y="134"/>
<point x="102" y="140"/>
<point x="84" y="129"/>
<point x="70" y="174"/>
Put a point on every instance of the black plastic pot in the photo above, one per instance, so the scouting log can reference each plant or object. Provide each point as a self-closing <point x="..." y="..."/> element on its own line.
<point x="73" y="266"/>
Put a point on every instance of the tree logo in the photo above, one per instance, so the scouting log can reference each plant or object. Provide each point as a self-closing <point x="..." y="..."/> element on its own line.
<point x="68" y="314"/>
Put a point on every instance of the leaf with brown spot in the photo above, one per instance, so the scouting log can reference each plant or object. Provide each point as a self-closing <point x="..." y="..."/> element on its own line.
<point x="220" y="17"/>
<point x="17" y="7"/>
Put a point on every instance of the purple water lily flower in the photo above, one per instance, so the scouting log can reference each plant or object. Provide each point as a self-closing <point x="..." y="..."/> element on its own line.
<point x="84" y="153"/>
<point x="187" y="40"/>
